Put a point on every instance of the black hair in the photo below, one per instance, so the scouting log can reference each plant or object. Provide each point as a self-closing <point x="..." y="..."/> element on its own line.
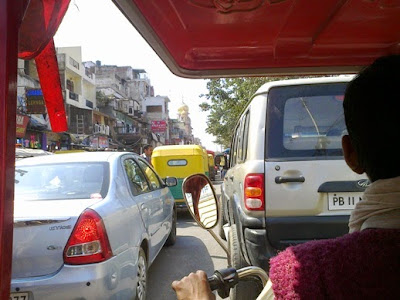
<point x="147" y="147"/>
<point x="372" y="115"/>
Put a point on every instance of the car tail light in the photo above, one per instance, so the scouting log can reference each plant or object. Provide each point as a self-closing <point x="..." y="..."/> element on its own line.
<point x="88" y="242"/>
<point x="254" y="192"/>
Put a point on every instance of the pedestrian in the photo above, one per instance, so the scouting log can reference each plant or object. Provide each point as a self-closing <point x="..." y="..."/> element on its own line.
<point x="364" y="264"/>
<point x="147" y="152"/>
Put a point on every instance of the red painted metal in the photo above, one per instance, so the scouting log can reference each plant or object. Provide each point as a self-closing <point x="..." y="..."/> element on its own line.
<point x="198" y="38"/>
<point x="40" y="23"/>
<point x="27" y="29"/>
<point x="10" y="18"/>
<point x="47" y="67"/>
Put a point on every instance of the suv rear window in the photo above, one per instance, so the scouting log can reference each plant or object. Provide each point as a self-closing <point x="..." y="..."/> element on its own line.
<point x="305" y="121"/>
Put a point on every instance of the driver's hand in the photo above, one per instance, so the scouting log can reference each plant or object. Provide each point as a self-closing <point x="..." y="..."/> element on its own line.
<point x="193" y="287"/>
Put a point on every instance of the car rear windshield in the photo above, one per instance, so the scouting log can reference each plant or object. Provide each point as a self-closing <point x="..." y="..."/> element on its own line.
<point x="83" y="180"/>
<point x="305" y="121"/>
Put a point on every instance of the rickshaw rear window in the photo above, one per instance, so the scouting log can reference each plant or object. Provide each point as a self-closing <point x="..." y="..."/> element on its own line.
<point x="177" y="162"/>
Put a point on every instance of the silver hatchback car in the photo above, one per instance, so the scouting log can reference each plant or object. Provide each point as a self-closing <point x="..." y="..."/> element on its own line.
<point x="88" y="225"/>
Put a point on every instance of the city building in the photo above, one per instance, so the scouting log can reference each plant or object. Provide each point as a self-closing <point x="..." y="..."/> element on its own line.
<point x="157" y="115"/>
<point x="120" y="93"/>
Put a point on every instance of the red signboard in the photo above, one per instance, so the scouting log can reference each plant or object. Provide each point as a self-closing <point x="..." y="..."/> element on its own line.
<point x="22" y="122"/>
<point x="158" y="126"/>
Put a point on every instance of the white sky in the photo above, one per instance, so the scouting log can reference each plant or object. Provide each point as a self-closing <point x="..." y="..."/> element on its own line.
<point x="106" y="35"/>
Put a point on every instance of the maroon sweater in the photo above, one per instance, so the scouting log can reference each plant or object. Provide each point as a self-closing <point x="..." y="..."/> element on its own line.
<point x="360" y="265"/>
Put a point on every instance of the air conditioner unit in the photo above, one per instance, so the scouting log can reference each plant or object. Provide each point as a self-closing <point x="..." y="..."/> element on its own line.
<point x="96" y="128"/>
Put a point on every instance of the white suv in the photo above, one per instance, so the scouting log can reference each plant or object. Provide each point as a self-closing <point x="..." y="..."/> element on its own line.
<point x="287" y="181"/>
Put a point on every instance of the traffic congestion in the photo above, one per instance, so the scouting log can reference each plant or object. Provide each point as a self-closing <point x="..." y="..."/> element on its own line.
<point x="202" y="149"/>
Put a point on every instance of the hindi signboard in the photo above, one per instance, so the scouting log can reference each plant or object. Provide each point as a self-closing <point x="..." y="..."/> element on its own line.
<point x="35" y="102"/>
<point x="158" y="126"/>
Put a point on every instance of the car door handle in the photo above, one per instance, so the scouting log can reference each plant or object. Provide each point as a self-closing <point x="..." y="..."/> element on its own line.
<point x="283" y="179"/>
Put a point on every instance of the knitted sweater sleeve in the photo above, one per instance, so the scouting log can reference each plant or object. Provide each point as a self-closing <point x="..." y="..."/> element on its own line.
<point x="295" y="275"/>
<point x="359" y="265"/>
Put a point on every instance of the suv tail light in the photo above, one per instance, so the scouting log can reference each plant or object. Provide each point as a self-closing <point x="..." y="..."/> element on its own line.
<point x="254" y="192"/>
<point x="88" y="242"/>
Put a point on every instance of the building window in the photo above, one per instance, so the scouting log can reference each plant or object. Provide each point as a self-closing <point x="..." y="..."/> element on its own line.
<point x="70" y="85"/>
<point x="154" y="108"/>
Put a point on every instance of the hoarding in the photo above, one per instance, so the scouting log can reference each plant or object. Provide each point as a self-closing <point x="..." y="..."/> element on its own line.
<point x="158" y="126"/>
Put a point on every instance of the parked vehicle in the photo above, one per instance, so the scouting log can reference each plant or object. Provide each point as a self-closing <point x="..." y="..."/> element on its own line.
<point x="205" y="162"/>
<point x="211" y="166"/>
<point x="178" y="161"/>
<point x="288" y="182"/>
<point x="88" y="225"/>
<point x="27" y="152"/>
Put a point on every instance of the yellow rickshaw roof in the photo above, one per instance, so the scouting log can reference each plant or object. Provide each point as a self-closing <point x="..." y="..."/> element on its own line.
<point x="175" y="150"/>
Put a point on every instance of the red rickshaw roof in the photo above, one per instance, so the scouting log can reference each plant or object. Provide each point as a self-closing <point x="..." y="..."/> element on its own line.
<point x="213" y="38"/>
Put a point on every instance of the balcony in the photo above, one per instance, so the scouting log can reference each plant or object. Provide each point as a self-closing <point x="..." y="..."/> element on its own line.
<point x="73" y="63"/>
<point x="137" y="113"/>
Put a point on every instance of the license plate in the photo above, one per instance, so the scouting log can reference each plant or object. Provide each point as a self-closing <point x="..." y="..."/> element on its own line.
<point x="343" y="201"/>
<point x="19" y="296"/>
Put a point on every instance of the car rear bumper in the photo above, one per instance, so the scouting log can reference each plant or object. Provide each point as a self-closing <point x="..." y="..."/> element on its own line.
<point x="106" y="280"/>
<point x="281" y="232"/>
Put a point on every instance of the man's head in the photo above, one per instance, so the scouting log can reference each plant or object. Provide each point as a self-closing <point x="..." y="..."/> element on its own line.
<point x="148" y="150"/>
<point x="372" y="114"/>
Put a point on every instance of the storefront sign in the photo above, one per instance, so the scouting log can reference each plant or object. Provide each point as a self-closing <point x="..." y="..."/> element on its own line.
<point x="35" y="102"/>
<point x="103" y="142"/>
<point x="158" y="126"/>
<point x="22" y="122"/>
<point x="94" y="142"/>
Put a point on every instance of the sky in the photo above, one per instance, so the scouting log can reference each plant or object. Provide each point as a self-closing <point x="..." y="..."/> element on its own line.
<point x="106" y="35"/>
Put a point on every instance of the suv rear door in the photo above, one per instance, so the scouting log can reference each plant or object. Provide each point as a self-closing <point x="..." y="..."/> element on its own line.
<point x="304" y="164"/>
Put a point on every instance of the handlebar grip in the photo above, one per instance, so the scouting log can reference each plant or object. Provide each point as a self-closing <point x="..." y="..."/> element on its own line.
<point x="214" y="282"/>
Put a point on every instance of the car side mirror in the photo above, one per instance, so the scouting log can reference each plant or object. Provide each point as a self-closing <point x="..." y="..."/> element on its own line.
<point x="201" y="200"/>
<point x="171" y="181"/>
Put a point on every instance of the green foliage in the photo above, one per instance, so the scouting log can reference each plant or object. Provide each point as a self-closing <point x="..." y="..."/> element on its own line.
<point x="102" y="99"/>
<point x="226" y="99"/>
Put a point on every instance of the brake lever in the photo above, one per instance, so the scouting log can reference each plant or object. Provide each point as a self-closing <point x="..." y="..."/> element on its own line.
<point x="223" y="280"/>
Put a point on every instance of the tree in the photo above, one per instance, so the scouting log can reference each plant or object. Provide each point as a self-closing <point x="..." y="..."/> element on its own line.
<point x="101" y="99"/>
<point x="226" y="99"/>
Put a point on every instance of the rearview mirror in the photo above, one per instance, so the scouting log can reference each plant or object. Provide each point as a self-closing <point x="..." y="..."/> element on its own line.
<point x="171" y="181"/>
<point x="200" y="199"/>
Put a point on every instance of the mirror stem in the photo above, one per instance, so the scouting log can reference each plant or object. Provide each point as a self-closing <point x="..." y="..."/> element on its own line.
<point x="219" y="241"/>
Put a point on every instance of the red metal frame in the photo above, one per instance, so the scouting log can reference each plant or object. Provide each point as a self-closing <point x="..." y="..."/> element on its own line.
<point x="10" y="20"/>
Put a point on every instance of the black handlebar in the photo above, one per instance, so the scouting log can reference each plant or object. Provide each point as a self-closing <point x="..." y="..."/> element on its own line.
<point x="223" y="280"/>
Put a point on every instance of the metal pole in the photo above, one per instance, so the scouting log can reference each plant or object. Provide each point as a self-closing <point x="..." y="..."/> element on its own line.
<point x="10" y="20"/>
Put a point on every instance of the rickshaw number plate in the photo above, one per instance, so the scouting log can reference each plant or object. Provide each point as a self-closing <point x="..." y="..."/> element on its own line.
<point x="343" y="201"/>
